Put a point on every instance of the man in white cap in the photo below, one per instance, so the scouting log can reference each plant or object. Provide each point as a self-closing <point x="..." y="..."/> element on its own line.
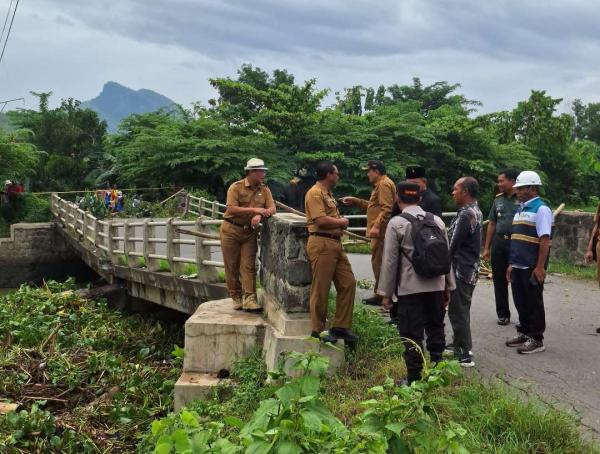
<point x="248" y="201"/>
<point x="529" y="250"/>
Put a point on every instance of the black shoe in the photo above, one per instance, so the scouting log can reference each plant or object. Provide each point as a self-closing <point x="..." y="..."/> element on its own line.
<point x="344" y="333"/>
<point x="323" y="337"/>
<point x="466" y="361"/>
<point x="503" y="321"/>
<point x="373" y="301"/>
<point x="598" y="330"/>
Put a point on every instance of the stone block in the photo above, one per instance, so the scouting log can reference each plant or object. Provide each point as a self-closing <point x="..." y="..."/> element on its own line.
<point x="194" y="386"/>
<point x="217" y="335"/>
<point x="289" y="324"/>
<point x="276" y="343"/>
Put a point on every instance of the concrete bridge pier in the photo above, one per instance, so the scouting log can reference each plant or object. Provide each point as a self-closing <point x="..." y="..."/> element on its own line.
<point x="216" y="335"/>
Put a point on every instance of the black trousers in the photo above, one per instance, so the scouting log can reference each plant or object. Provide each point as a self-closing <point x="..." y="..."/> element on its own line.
<point x="421" y="314"/>
<point x="529" y="301"/>
<point x="499" y="259"/>
<point x="459" y="313"/>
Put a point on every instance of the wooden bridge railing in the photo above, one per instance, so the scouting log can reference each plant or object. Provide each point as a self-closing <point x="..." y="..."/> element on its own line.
<point x="155" y="244"/>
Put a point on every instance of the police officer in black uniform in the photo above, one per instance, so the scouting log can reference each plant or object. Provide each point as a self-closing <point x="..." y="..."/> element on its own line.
<point x="430" y="202"/>
<point x="497" y="240"/>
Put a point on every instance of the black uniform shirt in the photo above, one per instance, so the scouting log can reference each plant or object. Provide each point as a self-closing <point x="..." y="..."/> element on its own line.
<point x="431" y="202"/>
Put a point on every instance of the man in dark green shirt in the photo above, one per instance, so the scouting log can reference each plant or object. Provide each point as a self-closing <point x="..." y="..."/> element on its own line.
<point x="497" y="239"/>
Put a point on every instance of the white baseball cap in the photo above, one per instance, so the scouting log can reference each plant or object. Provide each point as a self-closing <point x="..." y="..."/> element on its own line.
<point x="255" y="164"/>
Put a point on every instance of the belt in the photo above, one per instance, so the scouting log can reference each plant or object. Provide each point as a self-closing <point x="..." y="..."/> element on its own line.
<point x="503" y="237"/>
<point x="243" y="226"/>
<point x="326" y="235"/>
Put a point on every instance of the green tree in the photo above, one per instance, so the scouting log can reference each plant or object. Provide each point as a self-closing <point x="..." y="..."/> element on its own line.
<point x="72" y="139"/>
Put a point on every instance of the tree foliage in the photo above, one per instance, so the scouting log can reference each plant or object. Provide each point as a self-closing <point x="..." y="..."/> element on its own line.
<point x="274" y="117"/>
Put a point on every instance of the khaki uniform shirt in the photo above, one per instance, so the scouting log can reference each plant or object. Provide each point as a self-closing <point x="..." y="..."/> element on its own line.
<point x="320" y="202"/>
<point x="242" y="194"/>
<point x="379" y="206"/>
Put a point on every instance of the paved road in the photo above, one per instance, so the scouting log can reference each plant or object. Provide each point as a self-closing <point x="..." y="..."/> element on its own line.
<point x="567" y="374"/>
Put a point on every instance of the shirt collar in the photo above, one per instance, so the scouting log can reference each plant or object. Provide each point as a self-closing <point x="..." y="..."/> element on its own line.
<point x="248" y="185"/>
<point x="413" y="209"/>
<point x="530" y="201"/>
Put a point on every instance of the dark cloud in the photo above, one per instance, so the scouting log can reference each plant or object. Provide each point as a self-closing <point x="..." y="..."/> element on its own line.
<point x="498" y="50"/>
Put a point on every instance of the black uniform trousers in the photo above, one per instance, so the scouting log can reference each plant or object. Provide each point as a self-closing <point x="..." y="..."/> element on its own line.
<point x="421" y="314"/>
<point x="529" y="301"/>
<point x="499" y="259"/>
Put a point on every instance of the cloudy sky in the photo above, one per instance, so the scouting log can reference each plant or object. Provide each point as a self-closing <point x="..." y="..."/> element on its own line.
<point x="497" y="50"/>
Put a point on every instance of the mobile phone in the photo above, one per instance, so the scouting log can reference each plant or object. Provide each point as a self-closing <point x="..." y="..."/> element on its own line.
<point x="533" y="281"/>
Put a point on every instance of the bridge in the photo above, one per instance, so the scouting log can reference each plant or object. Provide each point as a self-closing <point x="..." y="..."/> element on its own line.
<point x="154" y="259"/>
<point x="170" y="262"/>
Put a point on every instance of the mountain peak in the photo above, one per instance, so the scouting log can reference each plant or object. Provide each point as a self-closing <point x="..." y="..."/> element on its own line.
<point x="116" y="102"/>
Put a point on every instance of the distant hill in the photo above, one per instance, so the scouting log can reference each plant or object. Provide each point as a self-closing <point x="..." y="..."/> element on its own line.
<point x="116" y="102"/>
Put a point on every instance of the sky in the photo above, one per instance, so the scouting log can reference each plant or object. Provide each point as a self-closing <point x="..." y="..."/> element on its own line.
<point x="498" y="51"/>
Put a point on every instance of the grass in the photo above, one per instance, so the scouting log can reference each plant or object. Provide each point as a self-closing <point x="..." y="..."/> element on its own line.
<point x="582" y="272"/>
<point x="358" y="248"/>
<point x="493" y="420"/>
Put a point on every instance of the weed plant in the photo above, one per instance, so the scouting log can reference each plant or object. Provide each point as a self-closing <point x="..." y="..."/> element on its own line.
<point x="86" y="378"/>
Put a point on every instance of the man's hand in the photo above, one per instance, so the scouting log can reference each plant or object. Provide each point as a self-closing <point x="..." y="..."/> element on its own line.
<point x="589" y="256"/>
<point x="486" y="254"/>
<point x="508" y="273"/>
<point x="386" y="303"/>
<point x="348" y="200"/>
<point x="373" y="232"/>
<point x="255" y="221"/>
<point x="262" y="212"/>
<point x="540" y="274"/>
<point x="344" y="222"/>
<point x="447" y="296"/>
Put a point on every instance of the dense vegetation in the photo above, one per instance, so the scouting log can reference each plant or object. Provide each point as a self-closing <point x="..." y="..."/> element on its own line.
<point x="90" y="379"/>
<point x="285" y="122"/>
<point x="87" y="378"/>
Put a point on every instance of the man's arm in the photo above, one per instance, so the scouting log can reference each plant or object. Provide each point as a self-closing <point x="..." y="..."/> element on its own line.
<point x="489" y="235"/>
<point x="461" y="231"/>
<point x="589" y="254"/>
<point x="388" y="279"/>
<point x="543" y="227"/>
<point x="355" y="201"/>
<point x="330" y="222"/>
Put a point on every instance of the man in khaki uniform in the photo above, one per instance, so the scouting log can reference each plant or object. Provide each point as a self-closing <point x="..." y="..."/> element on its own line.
<point x="328" y="259"/>
<point x="248" y="202"/>
<point x="378" y="208"/>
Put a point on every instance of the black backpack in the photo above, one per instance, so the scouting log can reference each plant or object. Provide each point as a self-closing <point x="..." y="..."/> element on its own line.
<point x="431" y="256"/>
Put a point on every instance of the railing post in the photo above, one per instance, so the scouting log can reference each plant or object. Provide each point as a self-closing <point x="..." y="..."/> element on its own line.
<point x="95" y="232"/>
<point x="173" y="249"/>
<point x="128" y="246"/>
<point x="149" y="247"/>
<point x="84" y="240"/>
<point x="215" y="210"/>
<point x="109" y="243"/>
<point x="205" y="273"/>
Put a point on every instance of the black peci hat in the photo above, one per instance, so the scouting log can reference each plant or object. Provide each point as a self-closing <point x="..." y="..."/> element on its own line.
<point x="415" y="171"/>
<point x="375" y="165"/>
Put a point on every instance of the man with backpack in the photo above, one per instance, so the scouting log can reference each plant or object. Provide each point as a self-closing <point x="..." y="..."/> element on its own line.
<point x="416" y="267"/>
<point x="465" y="243"/>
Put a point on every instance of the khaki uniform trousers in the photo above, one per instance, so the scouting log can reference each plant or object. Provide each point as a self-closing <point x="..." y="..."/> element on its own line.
<point x="598" y="260"/>
<point x="239" y="249"/>
<point x="330" y="263"/>
<point x="376" y="259"/>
